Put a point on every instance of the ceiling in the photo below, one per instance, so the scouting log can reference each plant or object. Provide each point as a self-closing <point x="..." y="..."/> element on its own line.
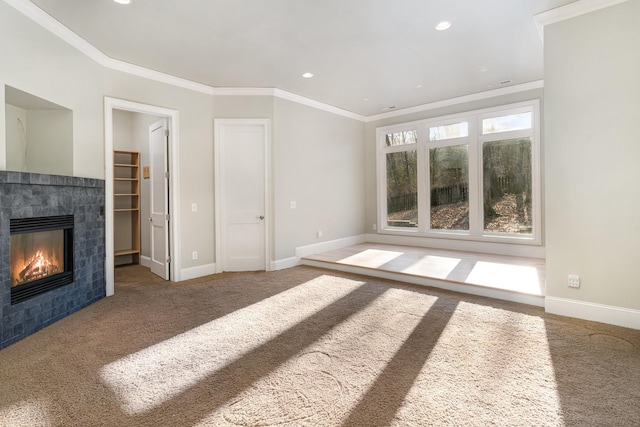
<point x="366" y="55"/>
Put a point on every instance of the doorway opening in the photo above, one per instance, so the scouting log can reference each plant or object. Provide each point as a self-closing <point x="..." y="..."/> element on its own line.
<point x="121" y="119"/>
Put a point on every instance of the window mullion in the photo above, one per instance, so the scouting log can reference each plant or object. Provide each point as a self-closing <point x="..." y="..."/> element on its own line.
<point x="475" y="183"/>
<point x="423" y="181"/>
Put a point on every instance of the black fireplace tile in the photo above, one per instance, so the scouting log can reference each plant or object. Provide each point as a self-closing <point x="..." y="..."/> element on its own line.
<point x="52" y="195"/>
<point x="11" y="320"/>
<point x="25" y="178"/>
<point x="40" y="179"/>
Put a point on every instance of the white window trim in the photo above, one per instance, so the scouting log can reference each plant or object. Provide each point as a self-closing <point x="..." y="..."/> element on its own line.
<point x="474" y="141"/>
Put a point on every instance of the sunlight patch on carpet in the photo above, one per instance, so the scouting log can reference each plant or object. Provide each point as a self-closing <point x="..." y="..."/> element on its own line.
<point x="26" y="413"/>
<point x="152" y="376"/>
<point x="321" y="384"/>
<point x="505" y="364"/>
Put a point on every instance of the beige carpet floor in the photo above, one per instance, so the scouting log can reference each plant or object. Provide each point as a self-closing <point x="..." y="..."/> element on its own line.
<point x="312" y="347"/>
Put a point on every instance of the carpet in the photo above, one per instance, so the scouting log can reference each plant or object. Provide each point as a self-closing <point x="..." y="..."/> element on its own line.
<point x="312" y="347"/>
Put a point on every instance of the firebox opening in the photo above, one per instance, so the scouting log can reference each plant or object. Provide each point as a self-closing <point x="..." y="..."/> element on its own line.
<point x="41" y="255"/>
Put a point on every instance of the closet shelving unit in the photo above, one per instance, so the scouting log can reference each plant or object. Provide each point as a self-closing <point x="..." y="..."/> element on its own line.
<point x="126" y="186"/>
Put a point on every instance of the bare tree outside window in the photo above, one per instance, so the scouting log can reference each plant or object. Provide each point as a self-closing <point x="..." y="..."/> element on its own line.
<point x="507" y="177"/>
<point x="449" y="178"/>
<point x="402" y="180"/>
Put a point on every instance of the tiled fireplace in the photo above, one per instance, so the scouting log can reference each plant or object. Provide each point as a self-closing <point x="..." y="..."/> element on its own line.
<point x="52" y="250"/>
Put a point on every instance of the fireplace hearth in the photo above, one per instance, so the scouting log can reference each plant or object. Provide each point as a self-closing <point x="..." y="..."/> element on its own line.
<point x="41" y="255"/>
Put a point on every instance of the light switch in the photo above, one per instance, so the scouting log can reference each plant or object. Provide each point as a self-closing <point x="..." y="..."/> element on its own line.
<point x="293" y="205"/>
<point x="194" y="207"/>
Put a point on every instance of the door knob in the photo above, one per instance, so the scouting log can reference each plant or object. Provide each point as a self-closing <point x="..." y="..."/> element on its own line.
<point x="260" y="217"/>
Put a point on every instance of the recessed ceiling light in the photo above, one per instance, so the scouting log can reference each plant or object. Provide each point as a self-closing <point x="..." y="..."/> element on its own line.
<point x="122" y="1"/>
<point x="307" y="75"/>
<point x="444" y="25"/>
<point x="365" y="100"/>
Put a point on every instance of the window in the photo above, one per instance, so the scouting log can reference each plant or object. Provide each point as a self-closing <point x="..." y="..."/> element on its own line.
<point x="402" y="179"/>
<point x="470" y="176"/>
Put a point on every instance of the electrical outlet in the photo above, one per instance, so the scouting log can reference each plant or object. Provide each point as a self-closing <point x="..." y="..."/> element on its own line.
<point x="194" y="255"/>
<point x="573" y="281"/>
<point x="319" y="233"/>
<point x="375" y="227"/>
<point x="292" y="204"/>
<point x="194" y="207"/>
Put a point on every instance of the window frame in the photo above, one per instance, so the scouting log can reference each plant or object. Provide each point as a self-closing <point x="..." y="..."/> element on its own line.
<point x="474" y="142"/>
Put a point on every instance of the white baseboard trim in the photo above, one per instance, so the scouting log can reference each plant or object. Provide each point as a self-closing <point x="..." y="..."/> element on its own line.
<point x="425" y="281"/>
<point x="199" y="271"/>
<point x="613" y="315"/>
<point x="281" y="264"/>
<point x="527" y="251"/>
<point x="330" y="245"/>
<point x="145" y="261"/>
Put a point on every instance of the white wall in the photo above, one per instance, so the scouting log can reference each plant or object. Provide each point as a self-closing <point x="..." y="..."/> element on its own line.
<point x="16" y="138"/>
<point x="318" y="163"/>
<point x="36" y="62"/>
<point x="50" y="142"/>
<point x="592" y="90"/>
<point x="39" y="141"/>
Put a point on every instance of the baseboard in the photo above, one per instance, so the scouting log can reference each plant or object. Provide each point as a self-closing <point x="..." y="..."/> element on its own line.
<point x="434" y="283"/>
<point x="315" y="248"/>
<point x="199" y="271"/>
<point x="330" y="245"/>
<point x="495" y="248"/>
<point x="281" y="264"/>
<point x="145" y="261"/>
<point x="613" y="315"/>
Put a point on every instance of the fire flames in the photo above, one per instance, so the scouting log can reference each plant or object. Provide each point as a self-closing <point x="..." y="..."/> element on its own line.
<point x="37" y="267"/>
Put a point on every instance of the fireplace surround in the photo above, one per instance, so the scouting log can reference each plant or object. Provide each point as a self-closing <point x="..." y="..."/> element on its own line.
<point x="25" y="196"/>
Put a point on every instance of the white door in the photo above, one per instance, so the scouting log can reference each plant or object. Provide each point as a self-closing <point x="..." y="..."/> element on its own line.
<point x="159" y="198"/>
<point x="241" y="153"/>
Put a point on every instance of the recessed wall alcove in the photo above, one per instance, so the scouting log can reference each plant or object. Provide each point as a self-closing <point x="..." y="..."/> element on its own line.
<point x="33" y="195"/>
<point x="39" y="134"/>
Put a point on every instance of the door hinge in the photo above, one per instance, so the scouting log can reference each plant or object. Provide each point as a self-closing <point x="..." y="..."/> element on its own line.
<point x="166" y="132"/>
<point x="166" y="174"/>
<point x="167" y="217"/>
<point x="168" y="259"/>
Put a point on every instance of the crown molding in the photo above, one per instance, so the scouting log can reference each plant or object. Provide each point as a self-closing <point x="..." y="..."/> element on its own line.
<point x="317" y="104"/>
<point x="48" y="22"/>
<point x="537" y="84"/>
<point x="243" y="91"/>
<point x="569" y="11"/>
